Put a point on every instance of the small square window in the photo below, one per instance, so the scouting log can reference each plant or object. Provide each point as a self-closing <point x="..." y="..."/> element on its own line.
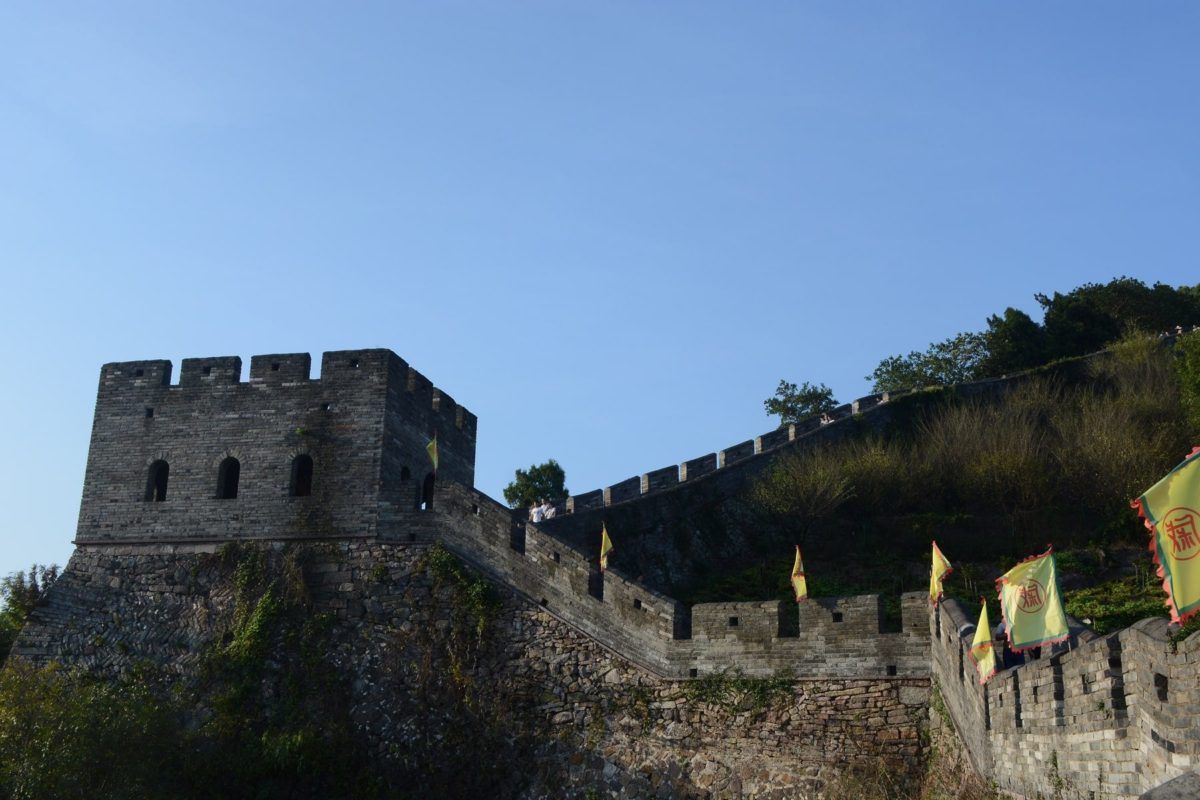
<point x="891" y="670"/>
<point x="207" y="370"/>
<point x="637" y="603"/>
<point x="1160" y="686"/>
<point x="137" y="373"/>
<point x="354" y="363"/>
<point x="733" y="622"/>
<point x="837" y="616"/>
<point x="693" y="672"/>
<point x="149" y="412"/>
<point x="274" y="366"/>
<point x="556" y="557"/>
<point x="324" y="406"/>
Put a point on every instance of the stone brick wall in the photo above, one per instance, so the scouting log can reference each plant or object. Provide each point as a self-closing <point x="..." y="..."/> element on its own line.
<point x="598" y="721"/>
<point x="819" y="637"/>
<point x="364" y="423"/>
<point x="1112" y="717"/>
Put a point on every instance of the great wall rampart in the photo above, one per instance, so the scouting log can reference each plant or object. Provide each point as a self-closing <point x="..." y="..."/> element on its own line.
<point x="1108" y="716"/>
<point x="1112" y="717"/>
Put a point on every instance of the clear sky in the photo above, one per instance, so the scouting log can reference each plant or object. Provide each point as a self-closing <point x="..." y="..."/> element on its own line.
<point x="607" y="228"/>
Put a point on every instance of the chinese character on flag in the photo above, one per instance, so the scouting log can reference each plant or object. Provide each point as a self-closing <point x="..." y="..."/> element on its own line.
<point x="1169" y="508"/>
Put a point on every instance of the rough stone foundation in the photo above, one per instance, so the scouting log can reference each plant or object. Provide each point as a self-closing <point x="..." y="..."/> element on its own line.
<point x="576" y="718"/>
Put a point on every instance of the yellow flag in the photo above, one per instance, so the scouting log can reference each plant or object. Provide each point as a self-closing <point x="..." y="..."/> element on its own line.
<point x="431" y="448"/>
<point x="982" y="652"/>
<point x="1031" y="603"/>
<point x="937" y="573"/>
<point x="605" y="547"/>
<point x="799" y="583"/>
<point x="1171" y="509"/>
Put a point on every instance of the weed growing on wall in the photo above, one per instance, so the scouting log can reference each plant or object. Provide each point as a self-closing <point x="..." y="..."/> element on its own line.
<point x="266" y="716"/>
<point x="476" y="603"/>
<point x="466" y="735"/>
<point x="732" y="690"/>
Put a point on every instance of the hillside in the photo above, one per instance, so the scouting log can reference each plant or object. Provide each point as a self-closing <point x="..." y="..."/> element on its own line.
<point x="1054" y="459"/>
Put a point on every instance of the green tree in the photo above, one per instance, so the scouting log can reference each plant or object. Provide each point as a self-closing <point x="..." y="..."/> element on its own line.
<point x="1014" y="343"/>
<point x="539" y="482"/>
<point x="1093" y="315"/>
<point x="20" y="594"/>
<point x="65" y="735"/>
<point x="954" y="360"/>
<point x="793" y="403"/>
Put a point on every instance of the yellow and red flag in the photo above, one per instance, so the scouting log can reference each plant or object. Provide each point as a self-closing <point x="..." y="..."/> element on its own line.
<point x="937" y="573"/>
<point x="605" y="547"/>
<point x="431" y="448"/>
<point x="1031" y="603"/>
<point x="1171" y="509"/>
<point x="982" y="651"/>
<point x="799" y="583"/>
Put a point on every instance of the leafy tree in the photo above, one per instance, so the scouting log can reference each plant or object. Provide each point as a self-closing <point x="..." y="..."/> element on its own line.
<point x="68" y="736"/>
<point x="954" y="360"/>
<point x="540" y="482"/>
<point x="1091" y="316"/>
<point x="1014" y="343"/>
<point x="20" y="594"/>
<point x="793" y="403"/>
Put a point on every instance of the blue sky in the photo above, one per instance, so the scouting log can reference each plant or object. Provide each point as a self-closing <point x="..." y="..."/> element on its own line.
<point x="608" y="229"/>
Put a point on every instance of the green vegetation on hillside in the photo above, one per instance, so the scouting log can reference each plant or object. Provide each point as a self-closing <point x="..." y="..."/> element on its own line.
<point x="1055" y="459"/>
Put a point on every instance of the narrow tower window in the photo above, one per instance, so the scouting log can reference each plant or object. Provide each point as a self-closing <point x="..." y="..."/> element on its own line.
<point x="227" y="478"/>
<point x="427" y="492"/>
<point x="302" y="475"/>
<point x="156" y="482"/>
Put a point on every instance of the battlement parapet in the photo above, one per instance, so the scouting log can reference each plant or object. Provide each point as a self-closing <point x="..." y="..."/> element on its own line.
<point x="280" y="368"/>
<point x="338" y="369"/>
<point x="1117" y="711"/>
<point x="732" y="455"/>
<point x="282" y="454"/>
<point x="820" y="637"/>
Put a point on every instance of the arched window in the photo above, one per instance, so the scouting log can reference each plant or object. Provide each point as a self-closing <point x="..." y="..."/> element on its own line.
<point x="302" y="474"/>
<point x="405" y="473"/>
<point x="227" y="478"/>
<point x="156" y="482"/>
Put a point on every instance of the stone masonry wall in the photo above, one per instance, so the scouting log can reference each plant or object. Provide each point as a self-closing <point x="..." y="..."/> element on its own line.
<point x="819" y="637"/>
<point x="595" y="721"/>
<point x="365" y="424"/>
<point x="1111" y="718"/>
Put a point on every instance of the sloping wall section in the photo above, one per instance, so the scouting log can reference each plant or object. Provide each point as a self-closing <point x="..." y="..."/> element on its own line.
<point x="1112" y="717"/>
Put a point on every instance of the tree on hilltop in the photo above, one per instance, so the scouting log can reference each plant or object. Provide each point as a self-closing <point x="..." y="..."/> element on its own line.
<point x="955" y="360"/>
<point x="540" y="482"/>
<point x="793" y="403"/>
<point x="1086" y="319"/>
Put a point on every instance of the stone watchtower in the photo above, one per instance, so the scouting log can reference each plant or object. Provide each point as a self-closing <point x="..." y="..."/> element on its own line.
<point x="282" y="456"/>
